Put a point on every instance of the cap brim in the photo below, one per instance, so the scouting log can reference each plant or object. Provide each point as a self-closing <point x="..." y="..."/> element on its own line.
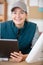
<point x="16" y="7"/>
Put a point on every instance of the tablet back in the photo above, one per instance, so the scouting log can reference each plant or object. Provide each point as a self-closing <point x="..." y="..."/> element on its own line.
<point x="7" y="46"/>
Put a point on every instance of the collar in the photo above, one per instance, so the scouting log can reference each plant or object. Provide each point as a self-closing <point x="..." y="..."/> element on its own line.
<point x="15" y="29"/>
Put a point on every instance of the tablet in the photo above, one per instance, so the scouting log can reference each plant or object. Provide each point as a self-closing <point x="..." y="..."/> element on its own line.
<point x="7" y="46"/>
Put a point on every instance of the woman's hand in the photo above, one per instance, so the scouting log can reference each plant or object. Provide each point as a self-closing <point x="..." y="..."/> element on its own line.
<point x="17" y="57"/>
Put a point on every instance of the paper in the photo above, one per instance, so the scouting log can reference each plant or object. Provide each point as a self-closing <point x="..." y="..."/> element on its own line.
<point x="33" y="2"/>
<point x="40" y="4"/>
<point x="36" y="54"/>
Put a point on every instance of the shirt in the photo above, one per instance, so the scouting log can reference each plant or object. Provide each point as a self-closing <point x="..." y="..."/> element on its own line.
<point x="25" y="36"/>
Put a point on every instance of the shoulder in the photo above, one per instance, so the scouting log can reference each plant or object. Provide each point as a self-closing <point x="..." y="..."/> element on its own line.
<point x="31" y="24"/>
<point x="6" y="23"/>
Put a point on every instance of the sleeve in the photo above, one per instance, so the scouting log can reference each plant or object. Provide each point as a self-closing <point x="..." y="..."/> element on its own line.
<point x="36" y="36"/>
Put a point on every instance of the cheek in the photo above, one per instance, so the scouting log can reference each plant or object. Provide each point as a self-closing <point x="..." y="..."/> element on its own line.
<point x="13" y="16"/>
<point x="24" y="17"/>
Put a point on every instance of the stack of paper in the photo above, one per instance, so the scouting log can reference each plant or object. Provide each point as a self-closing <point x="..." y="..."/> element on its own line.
<point x="36" y="54"/>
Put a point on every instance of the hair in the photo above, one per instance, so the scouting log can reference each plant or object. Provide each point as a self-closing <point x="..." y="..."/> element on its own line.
<point x="16" y="7"/>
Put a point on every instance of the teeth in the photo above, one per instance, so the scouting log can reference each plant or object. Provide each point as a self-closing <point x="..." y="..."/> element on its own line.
<point x="17" y="20"/>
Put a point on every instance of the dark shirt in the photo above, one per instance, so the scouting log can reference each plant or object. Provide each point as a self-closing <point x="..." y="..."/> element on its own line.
<point x="23" y="35"/>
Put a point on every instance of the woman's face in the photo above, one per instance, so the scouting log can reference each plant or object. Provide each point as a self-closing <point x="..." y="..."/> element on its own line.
<point x="18" y="16"/>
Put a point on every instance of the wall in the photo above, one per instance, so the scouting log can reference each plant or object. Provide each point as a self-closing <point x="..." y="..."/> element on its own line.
<point x="39" y="22"/>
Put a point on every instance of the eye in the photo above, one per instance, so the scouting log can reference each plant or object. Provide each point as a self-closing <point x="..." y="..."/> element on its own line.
<point x="22" y="12"/>
<point x="14" y="12"/>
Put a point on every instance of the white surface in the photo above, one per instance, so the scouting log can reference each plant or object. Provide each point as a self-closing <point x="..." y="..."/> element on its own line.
<point x="33" y="2"/>
<point x="3" y="59"/>
<point x="40" y="3"/>
<point x="39" y="22"/>
<point x="36" y="54"/>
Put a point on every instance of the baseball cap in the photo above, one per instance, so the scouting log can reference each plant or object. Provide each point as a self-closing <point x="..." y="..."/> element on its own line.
<point x="19" y="4"/>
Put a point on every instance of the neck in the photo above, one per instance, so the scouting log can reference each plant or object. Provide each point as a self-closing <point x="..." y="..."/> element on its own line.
<point x="19" y="26"/>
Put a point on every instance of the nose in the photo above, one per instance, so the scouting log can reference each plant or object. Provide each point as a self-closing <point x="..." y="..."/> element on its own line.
<point x="18" y="15"/>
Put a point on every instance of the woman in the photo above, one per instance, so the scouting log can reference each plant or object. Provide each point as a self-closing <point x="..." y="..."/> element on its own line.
<point x="19" y="28"/>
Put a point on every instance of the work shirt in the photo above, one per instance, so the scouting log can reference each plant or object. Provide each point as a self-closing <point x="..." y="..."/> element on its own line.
<point x="24" y="35"/>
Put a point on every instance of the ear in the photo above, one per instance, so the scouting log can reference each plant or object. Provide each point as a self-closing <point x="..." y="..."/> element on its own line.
<point x="26" y="16"/>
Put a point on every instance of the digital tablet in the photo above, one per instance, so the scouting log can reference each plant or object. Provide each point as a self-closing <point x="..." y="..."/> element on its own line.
<point x="7" y="46"/>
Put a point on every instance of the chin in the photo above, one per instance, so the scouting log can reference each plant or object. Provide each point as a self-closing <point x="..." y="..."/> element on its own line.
<point x="18" y="23"/>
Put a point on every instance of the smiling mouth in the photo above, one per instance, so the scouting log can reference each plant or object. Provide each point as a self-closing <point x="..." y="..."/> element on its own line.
<point x="18" y="19"/>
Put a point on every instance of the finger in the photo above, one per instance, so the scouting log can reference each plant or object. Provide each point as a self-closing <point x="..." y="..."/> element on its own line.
<point x="13" y="58"/>
<point x="14" y="55"/>
<point x="18" y="54"/>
